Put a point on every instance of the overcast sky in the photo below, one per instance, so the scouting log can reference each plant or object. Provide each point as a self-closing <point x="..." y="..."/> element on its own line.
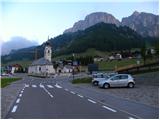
<point x="36" y="20"/>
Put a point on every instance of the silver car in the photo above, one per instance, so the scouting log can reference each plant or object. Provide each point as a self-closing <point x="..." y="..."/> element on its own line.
<point x="98" y="78"/>
<point x="119" y="80"/>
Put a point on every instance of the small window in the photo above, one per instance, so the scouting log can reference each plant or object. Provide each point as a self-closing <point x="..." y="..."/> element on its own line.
<point x="48" y="51"/>
<point x="124" y="76"/>
<point x="115" y="78"/>
<point x="39" y="68"/>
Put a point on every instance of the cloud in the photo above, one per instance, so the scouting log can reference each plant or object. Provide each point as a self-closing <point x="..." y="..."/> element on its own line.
<point x="15" y="43"/>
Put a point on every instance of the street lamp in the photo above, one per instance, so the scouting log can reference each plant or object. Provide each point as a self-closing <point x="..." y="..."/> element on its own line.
<point x="73" y="65"/>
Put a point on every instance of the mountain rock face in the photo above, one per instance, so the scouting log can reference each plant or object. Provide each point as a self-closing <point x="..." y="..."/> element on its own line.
<point x="145" y="24"/>
<point x="93" y="19"/>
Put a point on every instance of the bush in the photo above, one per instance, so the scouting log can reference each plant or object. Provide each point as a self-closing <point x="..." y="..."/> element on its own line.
<point x="8" y="81"/>
<point x="82" y="80"/>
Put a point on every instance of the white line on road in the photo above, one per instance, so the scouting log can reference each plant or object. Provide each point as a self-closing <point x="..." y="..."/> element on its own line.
<point x="108" y="108"/>
<point x="14" y="109"/>
<point x="66" y="89"/>
<point x="34" y="86"/>
<point x="42" y="86"/>
<point x="26" y="85"/>
<point x="48" y="92"/>
<point x="80" y="95"/>
<point x="50" y="86"/>
<point x="72" y="92"/>
<point x="91" y="101"/>
<point x="20" y="95"/>
<point x="18" y="100"/>
<point x="131" y="118"/>
<point x="58" y="86"/>
<point x="22" y="91"/>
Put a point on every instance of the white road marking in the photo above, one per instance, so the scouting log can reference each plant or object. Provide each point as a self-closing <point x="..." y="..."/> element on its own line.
<point x="14" y="109"/>
<point x="91" y="101"/>
<point x="42" y="86"/>
<point x="50" y="86"/>
<point x="72" y="92"/>
<point x="80" y="95"/>
<point x="58" y="86"/>
<point x="48" y="92"/>
<point x="66" y="89"/>
<point x="22" y="91"/>
<point x="34" y="86"/>
<point x="17" y="101"/>
<point x="26" y="85"/>
<point x="131" y="118"/>
<point x="108" y="108"/>
<point x="20" y="95"/>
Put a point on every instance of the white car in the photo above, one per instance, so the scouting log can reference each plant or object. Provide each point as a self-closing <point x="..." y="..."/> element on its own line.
<point x="98" y="78"/>
<point x="119" y="80"/>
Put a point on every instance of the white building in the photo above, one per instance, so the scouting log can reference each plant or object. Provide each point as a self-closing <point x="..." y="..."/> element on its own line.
<point x="43" y="66"/>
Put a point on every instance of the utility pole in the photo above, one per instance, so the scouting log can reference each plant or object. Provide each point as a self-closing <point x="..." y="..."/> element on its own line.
<point x="36" y="54"/>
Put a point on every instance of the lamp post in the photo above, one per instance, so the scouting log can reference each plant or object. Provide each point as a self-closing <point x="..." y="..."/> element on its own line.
<point x="73" y="65"/>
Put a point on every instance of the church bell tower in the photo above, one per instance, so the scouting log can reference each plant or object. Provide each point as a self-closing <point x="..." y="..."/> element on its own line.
<point x="48" y="51"/>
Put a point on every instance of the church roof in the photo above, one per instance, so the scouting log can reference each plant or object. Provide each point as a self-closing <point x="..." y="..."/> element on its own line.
<point x="41" y="61"/>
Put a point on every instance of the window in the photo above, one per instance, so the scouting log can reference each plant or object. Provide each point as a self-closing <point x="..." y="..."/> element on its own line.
<point x="48" y="51"/>
<point x="124" y="76"/>
<point x="39" y="68"/>
<point x="115" y="78"/>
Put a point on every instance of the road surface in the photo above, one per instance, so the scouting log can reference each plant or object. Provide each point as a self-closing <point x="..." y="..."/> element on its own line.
<point x="52" y="98"/>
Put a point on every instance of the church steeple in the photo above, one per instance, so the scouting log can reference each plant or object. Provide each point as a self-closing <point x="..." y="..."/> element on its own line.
<point x="48" y="51"/>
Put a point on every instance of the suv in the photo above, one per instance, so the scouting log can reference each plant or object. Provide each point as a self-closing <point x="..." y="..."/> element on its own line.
<point x="119" y="80"/>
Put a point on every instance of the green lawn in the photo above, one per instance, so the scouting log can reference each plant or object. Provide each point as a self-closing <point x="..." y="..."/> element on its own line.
<point x="82" y="80"/>
<point x="103" y="65"/>
<point x="8" y="81"/>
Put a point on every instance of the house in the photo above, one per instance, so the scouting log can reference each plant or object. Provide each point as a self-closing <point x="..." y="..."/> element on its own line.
<point x="43" y="66"/>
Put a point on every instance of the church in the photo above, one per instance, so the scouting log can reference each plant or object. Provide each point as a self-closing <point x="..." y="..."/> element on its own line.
<point x="43" y="66"/>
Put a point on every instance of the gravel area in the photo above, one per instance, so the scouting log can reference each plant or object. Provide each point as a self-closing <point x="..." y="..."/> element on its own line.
<point x="146" y="90"/>
<point x="8" y="96"/>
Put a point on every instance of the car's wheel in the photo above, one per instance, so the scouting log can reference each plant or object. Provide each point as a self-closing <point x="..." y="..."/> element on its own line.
<point x="131" y="85"/>
<point x="95" y="83"/>
<point x="106" y="85"/>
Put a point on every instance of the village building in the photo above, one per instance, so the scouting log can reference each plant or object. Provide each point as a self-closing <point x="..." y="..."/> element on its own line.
<point x="43" y="66"/>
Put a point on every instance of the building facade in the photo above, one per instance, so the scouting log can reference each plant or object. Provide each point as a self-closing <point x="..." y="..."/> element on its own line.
<point x="43" y="66"/>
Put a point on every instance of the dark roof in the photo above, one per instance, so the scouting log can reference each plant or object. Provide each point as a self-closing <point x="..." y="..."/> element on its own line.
<point x="42" y="61"/>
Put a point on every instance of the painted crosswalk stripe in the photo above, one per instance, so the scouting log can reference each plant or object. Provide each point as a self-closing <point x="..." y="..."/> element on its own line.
<point x="26" y="85"/>
<point x="42" y="86"/>
<point x="80" y="95"/>
<point x="108" y="108"/>
<point x="91" y="101"/>
<point x="14" y="109"/>
<point x="17" y="101"/>
<point x="34" y="86"/>
<point x="50" y="86"/>
<point x="57" y="86"/>
<point x="72" y="92"/>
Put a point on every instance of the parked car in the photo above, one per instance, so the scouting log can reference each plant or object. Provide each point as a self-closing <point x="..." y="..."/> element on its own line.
<point x="98" y="78"/>
<point x="119" y="80"/>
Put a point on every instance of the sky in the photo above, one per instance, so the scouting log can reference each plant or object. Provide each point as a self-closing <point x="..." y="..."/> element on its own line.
<point x="37" y="19"/>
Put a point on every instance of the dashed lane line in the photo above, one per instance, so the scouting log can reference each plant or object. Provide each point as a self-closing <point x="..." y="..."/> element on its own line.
<point x="108" y="108"/>
<point x="26" y="85"/>
<point x="18" y="100"/>
<point x="80" y="95"/>
<point x="131" y="118"/>
<point x="66" y="89"/>
<point x="91" y="101"/>
<point x="72" y="92"/>
<point x="20" y="95"/>
<point x="14" y="109"/>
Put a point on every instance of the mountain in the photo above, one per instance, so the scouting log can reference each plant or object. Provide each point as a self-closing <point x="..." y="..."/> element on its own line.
<point x="146" y="24"/>
<point x="93" y="19"/>
<point x="15" y="43"/>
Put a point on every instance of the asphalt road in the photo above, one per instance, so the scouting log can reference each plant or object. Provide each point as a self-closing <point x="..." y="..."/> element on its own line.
<point x="53" y="98"/>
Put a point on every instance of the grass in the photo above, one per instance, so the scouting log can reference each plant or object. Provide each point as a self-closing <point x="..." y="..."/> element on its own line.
<point x="7" y="81"/>
<point x="82" y="80"/>
<point x="111" y="65"/>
